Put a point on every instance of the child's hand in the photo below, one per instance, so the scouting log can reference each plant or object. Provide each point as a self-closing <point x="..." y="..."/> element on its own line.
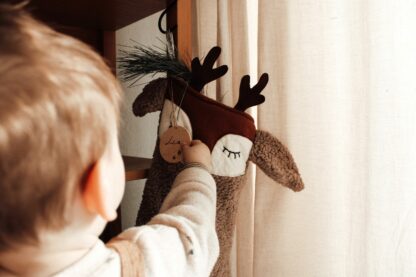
<point x="196" y="152"/>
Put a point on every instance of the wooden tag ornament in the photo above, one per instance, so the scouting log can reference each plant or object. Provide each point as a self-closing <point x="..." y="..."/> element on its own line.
<point x="170" y="143"/>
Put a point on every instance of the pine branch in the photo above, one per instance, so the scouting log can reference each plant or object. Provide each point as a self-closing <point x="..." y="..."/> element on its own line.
<point x="137" y="61"/>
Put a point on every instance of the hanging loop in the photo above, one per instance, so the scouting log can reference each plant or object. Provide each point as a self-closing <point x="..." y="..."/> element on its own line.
<point x="163" y="14"/>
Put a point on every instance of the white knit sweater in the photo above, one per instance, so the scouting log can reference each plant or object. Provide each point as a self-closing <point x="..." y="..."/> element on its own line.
<point x="179" y="241"/>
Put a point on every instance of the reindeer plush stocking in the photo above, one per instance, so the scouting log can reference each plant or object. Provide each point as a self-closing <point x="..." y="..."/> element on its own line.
<point x="229" y="133"/>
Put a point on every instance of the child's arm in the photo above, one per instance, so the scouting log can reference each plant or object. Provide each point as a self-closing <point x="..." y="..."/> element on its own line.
<point x="181" y="240"/>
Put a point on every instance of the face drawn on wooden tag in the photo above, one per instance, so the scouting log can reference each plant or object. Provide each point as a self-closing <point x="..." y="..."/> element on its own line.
<point x="170" y="143"/>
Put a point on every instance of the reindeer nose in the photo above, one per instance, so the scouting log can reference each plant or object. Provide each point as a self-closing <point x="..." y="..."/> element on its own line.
<point x="210" y="119"/>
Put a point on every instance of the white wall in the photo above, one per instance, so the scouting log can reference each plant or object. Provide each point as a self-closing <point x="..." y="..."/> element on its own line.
<point x="137" y="134"/>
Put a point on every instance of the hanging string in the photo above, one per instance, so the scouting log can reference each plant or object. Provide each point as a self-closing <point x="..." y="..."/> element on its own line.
<point x="174" y="120"/>
<point x="183" y="96"/>
<point x="172" y="113"/>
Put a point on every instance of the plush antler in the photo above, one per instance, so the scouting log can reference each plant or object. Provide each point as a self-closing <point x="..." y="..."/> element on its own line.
<point x="152" y="97"/>
<point x="205" y="73"/>
<point x="250" y="97"/>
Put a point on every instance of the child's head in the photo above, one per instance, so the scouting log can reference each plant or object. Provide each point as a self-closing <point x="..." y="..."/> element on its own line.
<point x="58" y="128"/>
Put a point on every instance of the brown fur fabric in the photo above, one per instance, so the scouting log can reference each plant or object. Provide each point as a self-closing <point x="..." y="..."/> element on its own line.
<point x="228" y="195"/>
<point x="158" y="184"/>
<point x="275" y="160"/>
<point x="152" y="97"/>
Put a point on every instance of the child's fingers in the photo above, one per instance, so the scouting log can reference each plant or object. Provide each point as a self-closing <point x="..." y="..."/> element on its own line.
<point x="185" y="146"/>
<point x="195" y="142"/>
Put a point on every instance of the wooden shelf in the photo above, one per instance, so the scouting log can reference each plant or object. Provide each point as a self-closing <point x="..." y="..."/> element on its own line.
<point x="108" y="15"/>
<point x="136" y="168"/>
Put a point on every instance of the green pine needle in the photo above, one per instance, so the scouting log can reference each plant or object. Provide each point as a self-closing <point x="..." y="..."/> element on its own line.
<point x="138" y="61"/>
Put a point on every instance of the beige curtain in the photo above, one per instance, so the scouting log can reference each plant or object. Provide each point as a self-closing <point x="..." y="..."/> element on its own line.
<point x="223" y="23"/>
<point x="342" y="97"/>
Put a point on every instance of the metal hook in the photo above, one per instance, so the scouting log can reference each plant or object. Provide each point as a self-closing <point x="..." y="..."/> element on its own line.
<point x="163" y="14"/>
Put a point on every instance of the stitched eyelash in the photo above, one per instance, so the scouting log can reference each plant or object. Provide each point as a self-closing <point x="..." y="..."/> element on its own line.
<point x="235" y="154"/>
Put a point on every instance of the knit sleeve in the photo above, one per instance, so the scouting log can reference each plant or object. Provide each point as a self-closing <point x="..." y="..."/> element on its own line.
<point x="181" y="240"/>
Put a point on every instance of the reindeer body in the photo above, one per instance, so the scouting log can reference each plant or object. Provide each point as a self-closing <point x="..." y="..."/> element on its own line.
<point x="266" y="151"/>
<point x="158" y="185"/>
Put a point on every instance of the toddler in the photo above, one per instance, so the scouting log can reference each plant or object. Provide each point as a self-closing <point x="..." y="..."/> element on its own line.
<point x="62" y="176"/>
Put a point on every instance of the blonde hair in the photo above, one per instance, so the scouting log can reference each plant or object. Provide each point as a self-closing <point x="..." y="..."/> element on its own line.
<point x="58" y="102"/>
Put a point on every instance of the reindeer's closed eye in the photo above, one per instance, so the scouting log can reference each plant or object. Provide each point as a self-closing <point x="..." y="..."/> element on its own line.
<point x="231" y="154"/>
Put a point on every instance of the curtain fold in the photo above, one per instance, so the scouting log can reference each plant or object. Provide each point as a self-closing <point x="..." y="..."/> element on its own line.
<point x="223" y="23"/>
<point x="342" y="97"/>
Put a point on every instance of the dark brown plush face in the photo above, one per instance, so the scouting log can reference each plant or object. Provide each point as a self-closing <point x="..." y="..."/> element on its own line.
<point x="227" y="132"/>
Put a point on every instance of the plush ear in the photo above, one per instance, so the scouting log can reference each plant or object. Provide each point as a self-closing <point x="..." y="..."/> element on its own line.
<point x="97" y="192"/>
<point x="275" y="160"/>
<point x="152" y="97"/>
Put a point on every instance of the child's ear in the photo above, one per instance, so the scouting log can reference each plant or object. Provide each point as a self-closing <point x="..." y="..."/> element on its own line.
<point x="97" y="193"/>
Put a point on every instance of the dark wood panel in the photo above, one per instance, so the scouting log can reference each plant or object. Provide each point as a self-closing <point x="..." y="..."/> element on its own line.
<point x="94" y="14"/>
<point x="92" y="37"/>
<point x="184" y="19"/>
<point x="109" y="49"/>
<point x="136" y="168"/>
<point x="112" y="228"/>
